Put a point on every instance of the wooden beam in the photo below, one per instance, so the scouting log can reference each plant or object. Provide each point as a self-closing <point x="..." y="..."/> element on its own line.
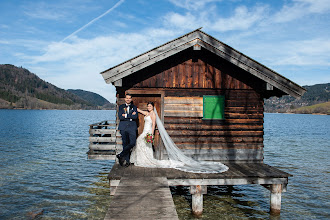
<point x="149" y="55"/>
<point x="138" y="66"/>
<point x="101" y="157"/>
<point x="102" y="139"/>
<point x="102" y="146"/>
<point x="223" y="182"/>
<point x="118" y="83"/>
<point x="197" y="47"/>
<point x="102" y="131"/>
<point x="269" y="87"/>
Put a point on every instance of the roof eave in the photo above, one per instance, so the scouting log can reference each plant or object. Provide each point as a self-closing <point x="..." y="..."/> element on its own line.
<point x="215" y="46"/>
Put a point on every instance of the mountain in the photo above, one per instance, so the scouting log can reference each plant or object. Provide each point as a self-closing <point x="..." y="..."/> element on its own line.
<point x="310" y="102"/>
<point x="92" y="98"/>
<point x="19" y="88"/>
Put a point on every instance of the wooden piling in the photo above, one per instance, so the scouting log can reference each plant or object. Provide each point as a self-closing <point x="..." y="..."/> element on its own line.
<point x="197" y="199"/>
<point x="275" y="199"/>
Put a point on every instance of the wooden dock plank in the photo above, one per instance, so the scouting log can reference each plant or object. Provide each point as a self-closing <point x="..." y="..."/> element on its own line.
<point x="138" y="197"/>
<point x="236" y="170"/>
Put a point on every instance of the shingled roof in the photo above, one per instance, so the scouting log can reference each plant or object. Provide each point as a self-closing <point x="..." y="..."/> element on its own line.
<point x="201" y="39"/>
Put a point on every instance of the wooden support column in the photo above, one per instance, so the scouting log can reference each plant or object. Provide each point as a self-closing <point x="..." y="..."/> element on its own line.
<point x="275" y="199"/>
<point x="197" y="192"/>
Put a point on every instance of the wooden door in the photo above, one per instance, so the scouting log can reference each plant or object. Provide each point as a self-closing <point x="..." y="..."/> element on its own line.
<point x="141" y="100"/>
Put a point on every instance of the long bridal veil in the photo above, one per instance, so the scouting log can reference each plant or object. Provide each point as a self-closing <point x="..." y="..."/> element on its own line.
<point x="188" y="163"/>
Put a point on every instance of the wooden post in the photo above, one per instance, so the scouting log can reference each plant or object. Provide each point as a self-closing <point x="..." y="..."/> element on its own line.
<point x="113" y="186"/>
<point x="275" y="199"/>
<point x="197" y="199"/>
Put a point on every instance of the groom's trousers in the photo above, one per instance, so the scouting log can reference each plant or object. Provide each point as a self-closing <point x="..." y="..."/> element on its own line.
<point x="129" y="139"/>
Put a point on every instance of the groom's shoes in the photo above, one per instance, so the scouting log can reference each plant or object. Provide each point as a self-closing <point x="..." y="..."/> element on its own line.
<point x="120" y="159"/>
<point x="127" y="164"/>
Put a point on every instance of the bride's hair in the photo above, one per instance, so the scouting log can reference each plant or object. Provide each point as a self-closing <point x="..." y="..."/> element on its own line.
<point x="151" y="103"/>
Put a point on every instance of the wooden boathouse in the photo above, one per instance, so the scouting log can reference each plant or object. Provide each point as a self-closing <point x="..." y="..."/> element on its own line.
<point x="210" y="98"/>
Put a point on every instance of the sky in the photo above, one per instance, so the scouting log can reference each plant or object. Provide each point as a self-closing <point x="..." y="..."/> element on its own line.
<point x="69" y="42"/>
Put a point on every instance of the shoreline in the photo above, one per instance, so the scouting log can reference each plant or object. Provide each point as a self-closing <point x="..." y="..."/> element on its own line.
<point x="115" y="109"/>
<point x="51" y="109"/>
<point x="291" y="113"/>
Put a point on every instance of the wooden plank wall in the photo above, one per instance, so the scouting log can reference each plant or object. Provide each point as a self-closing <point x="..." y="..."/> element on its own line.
<point x="190" y="74"/>
<point x="239" y="137"/>
<point x="185" y="78"/>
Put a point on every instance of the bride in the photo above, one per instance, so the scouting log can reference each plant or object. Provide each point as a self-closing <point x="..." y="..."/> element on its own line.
<point x="142" y="154"/>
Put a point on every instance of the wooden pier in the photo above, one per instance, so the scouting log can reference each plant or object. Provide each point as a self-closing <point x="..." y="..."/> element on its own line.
<point x="136" y="187"/>
<point x="142" y="197"/>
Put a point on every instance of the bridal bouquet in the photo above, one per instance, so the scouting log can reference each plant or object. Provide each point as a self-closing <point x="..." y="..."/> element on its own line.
<point x="149" y="138"/>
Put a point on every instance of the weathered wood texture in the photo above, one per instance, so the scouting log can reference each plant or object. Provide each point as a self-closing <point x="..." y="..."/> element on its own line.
<point x="102" y="140"/>
<point x="238" y="174"/>
<point x="197" y="192"/>
<point x="238" y="137"/>
<point x="197" y="44"/>
<point x="191" y="74"/>
<point x="241" y="131"/>
<point x="142" y="198"/>
<point x="195" y="70"/>
<point x="252" y="172"/>
<point x="185" y="78"/>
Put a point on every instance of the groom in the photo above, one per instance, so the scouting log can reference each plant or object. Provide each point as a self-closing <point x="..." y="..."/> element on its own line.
<point x="127" y="114"/>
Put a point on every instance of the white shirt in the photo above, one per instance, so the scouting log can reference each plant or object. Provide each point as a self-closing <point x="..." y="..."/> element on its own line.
<point x="127" y="108"/>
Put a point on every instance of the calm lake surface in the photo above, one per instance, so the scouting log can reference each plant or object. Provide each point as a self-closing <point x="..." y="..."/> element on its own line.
<point x="44" y="166"/>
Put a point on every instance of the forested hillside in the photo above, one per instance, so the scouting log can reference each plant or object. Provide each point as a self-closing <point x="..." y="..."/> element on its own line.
<point x="19" y="88"/>
<point x="315" y="96"/>
<point x="92" y="97"/>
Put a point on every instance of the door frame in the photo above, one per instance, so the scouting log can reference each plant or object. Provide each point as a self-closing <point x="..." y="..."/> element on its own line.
<point x="151" y="92"/>
<point x="159" y="154"/>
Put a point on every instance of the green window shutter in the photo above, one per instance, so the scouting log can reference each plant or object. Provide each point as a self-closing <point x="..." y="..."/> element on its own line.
<point x="213" y="107"/>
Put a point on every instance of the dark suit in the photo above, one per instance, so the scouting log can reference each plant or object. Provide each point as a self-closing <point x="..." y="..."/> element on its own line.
<point x="127" y="127"/>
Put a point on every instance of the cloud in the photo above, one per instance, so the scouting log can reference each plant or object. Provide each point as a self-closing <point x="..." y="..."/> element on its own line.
<point x="241" y="19"/>
<point x="45" y="11"/>
<point x="107" y="47"/>
<point x="187" y="21"/>
<point x="192" y="4"/>
<point x="4" y="42"/>
<point x="312" y="53"/>
<point x="305" y="53"/>
<point x="301" y="8"/>
<point x="77" y="64"/>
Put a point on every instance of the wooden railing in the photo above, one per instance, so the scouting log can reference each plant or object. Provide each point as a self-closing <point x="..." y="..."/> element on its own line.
<point x="102" y="140"/>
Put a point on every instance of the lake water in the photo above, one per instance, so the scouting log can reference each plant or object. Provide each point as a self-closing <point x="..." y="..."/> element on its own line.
<point x="44" y="166"/>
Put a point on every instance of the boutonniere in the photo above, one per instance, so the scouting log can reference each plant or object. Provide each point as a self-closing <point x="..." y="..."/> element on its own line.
<point x="125" y="109"/>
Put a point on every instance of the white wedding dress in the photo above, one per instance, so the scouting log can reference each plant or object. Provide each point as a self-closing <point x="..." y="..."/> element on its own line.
<point x="142" y="153"/>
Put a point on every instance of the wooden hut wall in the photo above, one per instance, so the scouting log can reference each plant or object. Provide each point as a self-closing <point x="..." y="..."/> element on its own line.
<point x="239" y="137"/>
